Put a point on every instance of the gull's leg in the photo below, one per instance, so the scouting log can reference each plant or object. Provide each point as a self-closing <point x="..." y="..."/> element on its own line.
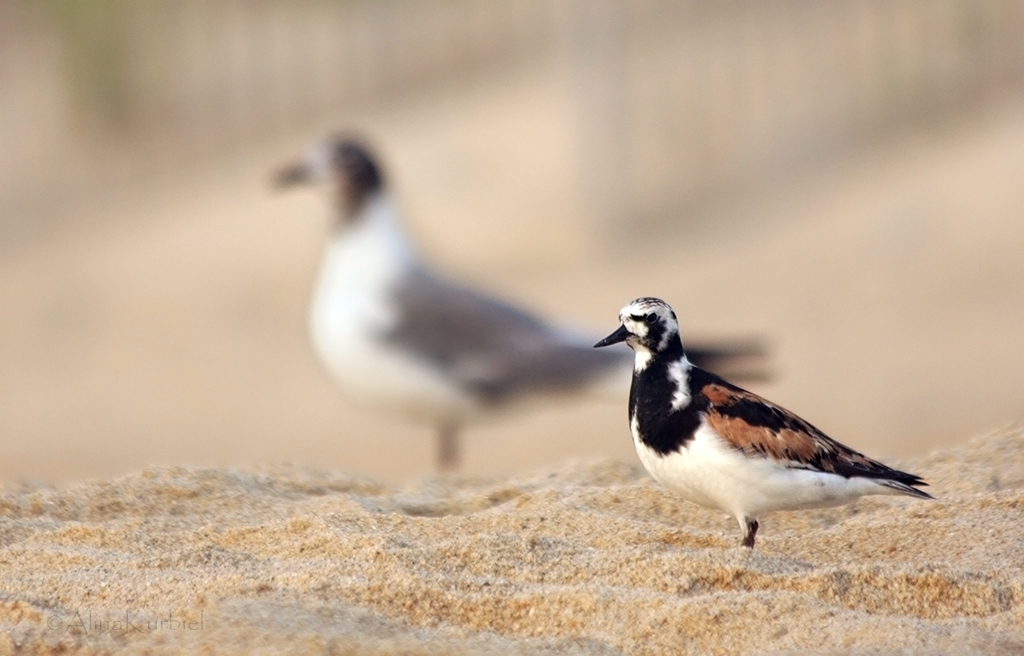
<point x="448" y="448"/>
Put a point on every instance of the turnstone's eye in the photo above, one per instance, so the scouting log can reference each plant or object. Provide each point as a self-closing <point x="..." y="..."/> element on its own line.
<point x="651" y="318"/>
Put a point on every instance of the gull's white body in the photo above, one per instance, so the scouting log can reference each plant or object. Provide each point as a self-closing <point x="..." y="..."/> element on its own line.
<point x="352" y="306"/>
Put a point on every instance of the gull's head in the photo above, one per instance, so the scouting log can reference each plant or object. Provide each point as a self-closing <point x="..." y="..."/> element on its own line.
<point x="649" y="327"/>
<point x="342" y="162"/>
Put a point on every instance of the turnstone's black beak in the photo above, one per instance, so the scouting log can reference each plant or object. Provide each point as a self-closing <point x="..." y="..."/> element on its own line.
<point x="619" y="335"/>
<point x="292" y="175"/>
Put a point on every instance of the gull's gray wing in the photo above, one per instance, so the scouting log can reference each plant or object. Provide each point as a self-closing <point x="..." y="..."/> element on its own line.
<point x="735" y="359"/>
<point x="493" y="349"/>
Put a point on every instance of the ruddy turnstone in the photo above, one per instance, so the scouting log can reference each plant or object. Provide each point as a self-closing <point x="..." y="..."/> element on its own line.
<point x="723" y="447"/>
<point x="397" y="336"/>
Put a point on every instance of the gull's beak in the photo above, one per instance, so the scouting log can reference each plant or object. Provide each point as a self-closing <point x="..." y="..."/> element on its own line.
<point x="292" y="175"/>
<point x="619" y="335"/>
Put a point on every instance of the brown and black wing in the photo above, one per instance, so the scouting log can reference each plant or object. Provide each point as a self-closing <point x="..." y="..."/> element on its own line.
<point x="756" y="426"/>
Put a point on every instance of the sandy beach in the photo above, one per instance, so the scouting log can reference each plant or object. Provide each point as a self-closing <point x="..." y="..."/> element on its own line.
<point x="585" y="558"/>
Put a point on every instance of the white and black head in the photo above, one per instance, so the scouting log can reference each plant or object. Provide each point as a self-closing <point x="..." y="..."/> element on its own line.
<point x="343" y="162"/>
<point x="649" y="327"/>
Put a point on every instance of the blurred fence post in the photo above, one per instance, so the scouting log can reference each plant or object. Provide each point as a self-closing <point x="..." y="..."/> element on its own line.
<point x="599" y="64"/>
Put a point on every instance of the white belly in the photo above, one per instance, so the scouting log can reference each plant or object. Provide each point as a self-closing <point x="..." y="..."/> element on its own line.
<point x="375" y="373"/>
<point x="352" y="310"/>
<point x="714" y="475"/>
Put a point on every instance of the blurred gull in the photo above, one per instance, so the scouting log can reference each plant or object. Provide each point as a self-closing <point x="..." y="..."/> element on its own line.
<point x="400" y="338"/>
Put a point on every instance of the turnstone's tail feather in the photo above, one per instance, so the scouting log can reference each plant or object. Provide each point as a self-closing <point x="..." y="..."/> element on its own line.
<point x="905" y="486"/>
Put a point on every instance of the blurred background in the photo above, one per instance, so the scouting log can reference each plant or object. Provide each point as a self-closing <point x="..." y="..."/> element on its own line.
<point x="842" y="178"/>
